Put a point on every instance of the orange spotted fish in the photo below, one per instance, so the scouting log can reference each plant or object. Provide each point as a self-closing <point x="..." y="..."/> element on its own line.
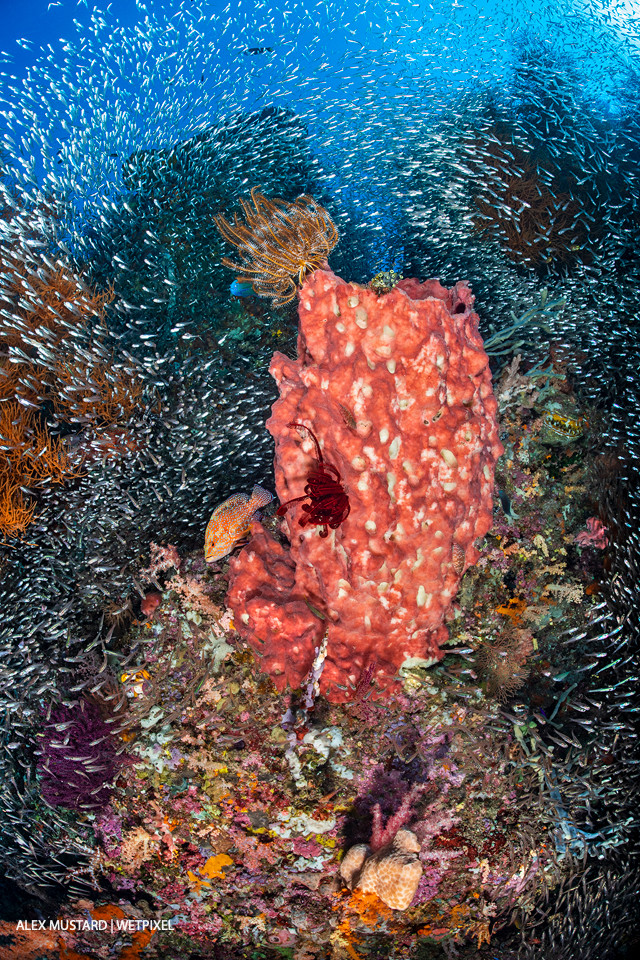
<point x="231" y="521"/>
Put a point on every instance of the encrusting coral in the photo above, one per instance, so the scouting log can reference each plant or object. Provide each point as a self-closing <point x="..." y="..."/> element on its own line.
<point x="393" y="873"/>
<point x="416" y="460"/>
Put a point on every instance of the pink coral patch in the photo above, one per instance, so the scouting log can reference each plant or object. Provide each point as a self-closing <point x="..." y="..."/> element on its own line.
<point x="594" y="536"/>
<point x="150" y="603"/>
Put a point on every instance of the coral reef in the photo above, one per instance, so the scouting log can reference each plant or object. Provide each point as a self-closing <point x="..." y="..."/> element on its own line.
<point x="239" y="831"/>
<point x="415" y="456"/>
<point x="432" y="820"/>
<point x="232" y="824"/>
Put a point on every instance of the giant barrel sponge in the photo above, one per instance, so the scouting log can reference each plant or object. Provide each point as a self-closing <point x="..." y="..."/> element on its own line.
<point x="397" y="389"/>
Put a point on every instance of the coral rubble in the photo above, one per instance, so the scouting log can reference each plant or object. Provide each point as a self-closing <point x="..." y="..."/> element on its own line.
<point x="398" y="390"/>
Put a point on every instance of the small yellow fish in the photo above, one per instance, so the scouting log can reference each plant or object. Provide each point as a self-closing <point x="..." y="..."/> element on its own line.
<point x="231" y="521"/>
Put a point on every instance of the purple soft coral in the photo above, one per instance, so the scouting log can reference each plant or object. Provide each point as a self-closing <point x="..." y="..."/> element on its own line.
<point x="382" y="836"/>
<point x="78" y="758"/>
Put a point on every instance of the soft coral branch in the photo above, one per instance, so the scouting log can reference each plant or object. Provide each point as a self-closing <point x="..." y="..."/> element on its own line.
<point x="381" y="836"/>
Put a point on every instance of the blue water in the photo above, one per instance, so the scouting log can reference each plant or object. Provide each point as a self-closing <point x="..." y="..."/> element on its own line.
<point x="365" y="79"/>
<point x="601" y="39"/>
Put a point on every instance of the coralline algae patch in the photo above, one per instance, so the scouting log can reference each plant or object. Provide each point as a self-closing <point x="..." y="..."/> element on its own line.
<point x="238" y="803"/>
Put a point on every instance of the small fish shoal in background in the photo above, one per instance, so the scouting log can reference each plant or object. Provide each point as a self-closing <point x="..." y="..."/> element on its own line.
<point x="231" y="522"/>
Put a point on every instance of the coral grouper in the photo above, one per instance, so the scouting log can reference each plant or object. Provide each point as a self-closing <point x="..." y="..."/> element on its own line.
<point x="231" y="522"/>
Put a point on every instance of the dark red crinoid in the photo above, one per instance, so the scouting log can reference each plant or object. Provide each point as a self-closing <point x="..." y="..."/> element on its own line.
<point x="329" y="504"/>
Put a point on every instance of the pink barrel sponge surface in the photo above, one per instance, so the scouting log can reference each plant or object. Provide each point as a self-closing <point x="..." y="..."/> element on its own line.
<point x="397" y="388"/>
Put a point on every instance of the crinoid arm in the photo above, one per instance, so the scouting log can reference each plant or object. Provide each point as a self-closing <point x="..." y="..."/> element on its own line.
<point x="328" y="502"/>
<point x="301" y="426"/>
<point x="279" y="244"/>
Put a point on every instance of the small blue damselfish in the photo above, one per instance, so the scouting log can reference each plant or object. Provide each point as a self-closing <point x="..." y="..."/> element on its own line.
<point x="240" y="288"/>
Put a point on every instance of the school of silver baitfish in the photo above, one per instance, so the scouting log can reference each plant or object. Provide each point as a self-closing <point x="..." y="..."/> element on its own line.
<point x="116" y="153"/>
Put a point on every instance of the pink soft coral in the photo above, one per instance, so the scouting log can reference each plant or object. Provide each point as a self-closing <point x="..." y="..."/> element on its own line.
<point x="161" y="559"/>
<point x="594" y="536"/>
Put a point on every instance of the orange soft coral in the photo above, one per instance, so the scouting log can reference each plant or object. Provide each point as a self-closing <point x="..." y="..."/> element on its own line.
<point x="15" y="513"/>
<point x="47" y="302"/>
<point x="93" y="392"/>
<point x="29" y="457"/>
<point x="45" y="307"/>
